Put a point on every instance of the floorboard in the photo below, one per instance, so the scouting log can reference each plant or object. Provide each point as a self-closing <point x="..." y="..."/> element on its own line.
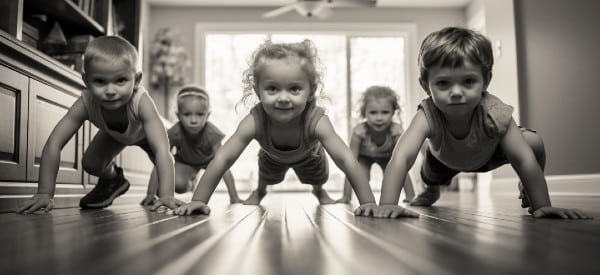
<point x="290" y="234"/>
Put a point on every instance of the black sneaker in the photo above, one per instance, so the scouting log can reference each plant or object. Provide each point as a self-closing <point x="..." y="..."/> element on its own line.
<point x="105" y="191"/>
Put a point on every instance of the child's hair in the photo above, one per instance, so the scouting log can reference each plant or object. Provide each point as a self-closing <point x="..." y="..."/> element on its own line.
<point x="192" y="90"/>
<point x="109" y="48"/>
<point x="378" y="92"/>
<point x="451" y="47"/>
<point x="305" y="51"/>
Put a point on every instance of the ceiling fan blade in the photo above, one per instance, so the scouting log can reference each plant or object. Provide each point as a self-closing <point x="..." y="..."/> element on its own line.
<point x="279" y="11"/>
<point x="324" y="12"/>
<point x="352" y="3"/>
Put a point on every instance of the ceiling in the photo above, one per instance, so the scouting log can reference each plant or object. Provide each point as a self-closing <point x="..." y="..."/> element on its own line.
<point x="276" y="3"/>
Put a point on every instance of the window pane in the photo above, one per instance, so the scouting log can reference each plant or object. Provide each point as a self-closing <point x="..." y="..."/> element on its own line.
<point x="227" y="57"/>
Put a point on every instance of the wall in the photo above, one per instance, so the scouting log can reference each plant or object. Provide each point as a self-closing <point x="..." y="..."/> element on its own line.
<point x="557" y="46"/>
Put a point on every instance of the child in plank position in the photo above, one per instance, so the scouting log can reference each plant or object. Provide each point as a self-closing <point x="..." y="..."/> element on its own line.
<point x="125" y="115"/>
<point x="374" y="139"/>
<point x="195" y="140"/>
<point x="468" y="128"/>
<point x="290" y="128"/>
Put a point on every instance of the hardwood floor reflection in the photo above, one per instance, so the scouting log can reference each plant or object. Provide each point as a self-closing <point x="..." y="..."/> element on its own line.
<point x="291" y="234"/>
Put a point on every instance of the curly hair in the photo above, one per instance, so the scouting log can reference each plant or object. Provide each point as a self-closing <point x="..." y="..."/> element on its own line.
<point x="306" y="54"/>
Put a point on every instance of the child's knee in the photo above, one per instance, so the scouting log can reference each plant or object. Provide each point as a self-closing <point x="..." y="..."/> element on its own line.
<point x="93" y="166"/>
<point x="181" y="186"/>
<point x="536" y="143"/>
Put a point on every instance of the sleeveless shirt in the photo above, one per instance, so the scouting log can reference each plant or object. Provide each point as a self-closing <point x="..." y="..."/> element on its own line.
<point x="309" y="144"/>
<point x="489" y="124"/>
<point x="135" y="130"/>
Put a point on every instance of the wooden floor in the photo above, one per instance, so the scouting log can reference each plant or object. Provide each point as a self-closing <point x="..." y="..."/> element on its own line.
<point x="291" y="234"/>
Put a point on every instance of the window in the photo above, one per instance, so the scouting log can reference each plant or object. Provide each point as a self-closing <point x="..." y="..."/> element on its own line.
<point x="351" y="61"/>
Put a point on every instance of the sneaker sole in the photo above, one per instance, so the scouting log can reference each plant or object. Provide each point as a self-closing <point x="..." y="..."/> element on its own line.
<point x="122" y="189"/>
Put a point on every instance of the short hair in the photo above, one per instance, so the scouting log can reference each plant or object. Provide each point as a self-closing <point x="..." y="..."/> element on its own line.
<point x="192" y="90"/>
<point x="451" y="47"/>
<point x="304" y="51"/>
<point x="110" y="48"/>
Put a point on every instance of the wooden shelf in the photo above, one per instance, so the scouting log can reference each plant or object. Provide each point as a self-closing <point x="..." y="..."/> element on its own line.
<point x="72" y="19"/>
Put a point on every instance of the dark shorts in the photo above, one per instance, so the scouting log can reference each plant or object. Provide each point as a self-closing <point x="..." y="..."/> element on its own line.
<point x="434" y="172"/>
<point x="368" y="161"/>
<point x="146" y="147"/>
<point x="313" y="170"/>
<point x="195" y="166"/>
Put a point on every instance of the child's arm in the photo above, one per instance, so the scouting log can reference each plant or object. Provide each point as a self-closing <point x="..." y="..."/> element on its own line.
<point x="151" y="194"/>
<point x="62" y="132"/>
<point x="224" y="158"/>
<point x="347" y="192"/>
<point x="158" y="141"/>
<point x="345" y="160"/>
<point x="151" y="198"/>
<point x="229" y="181"/>
<point x="522" y="159"/>
<point x="395" y="174"/>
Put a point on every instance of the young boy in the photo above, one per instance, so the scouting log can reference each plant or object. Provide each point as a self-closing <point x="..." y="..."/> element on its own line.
<point x="125" y="115"/>
<point x="468" y="128"/>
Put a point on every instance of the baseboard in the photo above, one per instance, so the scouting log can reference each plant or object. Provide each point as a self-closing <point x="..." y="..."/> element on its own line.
<point x="565" y="185"/>
<point x="66" y="195"/>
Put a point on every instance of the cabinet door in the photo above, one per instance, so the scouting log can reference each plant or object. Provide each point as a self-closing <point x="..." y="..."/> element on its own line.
<point x="13" y="122"/>
<point x="47" y="105"/>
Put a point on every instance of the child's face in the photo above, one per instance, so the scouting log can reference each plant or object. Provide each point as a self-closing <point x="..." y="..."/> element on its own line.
<point x="283" y="89"/>
<point x="193" y="114"/>
<point x="111" y="82"/>
<point x="379" y="113"/>
<point x="456" y="91"/>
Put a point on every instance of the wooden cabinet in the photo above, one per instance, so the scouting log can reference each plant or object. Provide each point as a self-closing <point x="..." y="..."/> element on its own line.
<point x="13" y="122"/>
<point x="47" y="105"/>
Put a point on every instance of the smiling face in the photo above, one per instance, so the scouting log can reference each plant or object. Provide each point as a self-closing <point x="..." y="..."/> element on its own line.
<point x="111" y="82"/>
<point x="379" y="113"/>
<point x="456" y="92"/>
<point x="193" y="114"/>
<point x="283" y="89"/>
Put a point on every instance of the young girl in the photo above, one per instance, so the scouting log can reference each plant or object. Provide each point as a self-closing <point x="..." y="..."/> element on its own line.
<point x="196" y="141"/>
<point x="374" y="139"/>
<point x="468" y="128"/>
<point x="116" y="103"/>
<point x="290" y="128"/>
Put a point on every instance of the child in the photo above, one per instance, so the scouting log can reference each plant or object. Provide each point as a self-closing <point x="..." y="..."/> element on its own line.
<point x="124" y="114"/>
<point x="373" y="140"/>
<point x="290" y="128"/>
<point x="196" y="141"/>
<point x="468" y="128"/>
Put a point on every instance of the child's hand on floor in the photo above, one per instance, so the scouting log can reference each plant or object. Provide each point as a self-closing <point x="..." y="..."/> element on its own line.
<point x="395" y="211"/>
<point x="549" y="211"/>
<point x="149" y="200"/>
<point x="366" y="209"/>
<point x="37" y="202"/>
<point x="194" y="207"/>
<point x="169" y="202"/>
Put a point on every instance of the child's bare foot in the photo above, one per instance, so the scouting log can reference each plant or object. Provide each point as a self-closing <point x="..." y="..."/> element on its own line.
<point x="255" y="197"/>
<point x="408" y="200"/>
<point x="343" y="200"/>
<point x="523" y="196"/>
<point x="428" y="197"/>
<point x="323" y="196"/>
<point x="235" y="200"/>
